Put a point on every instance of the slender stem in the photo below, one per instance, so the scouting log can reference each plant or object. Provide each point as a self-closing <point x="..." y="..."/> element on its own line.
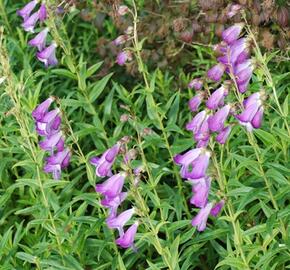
<point x="143" y="71"/>
<point x="236" y="226"/>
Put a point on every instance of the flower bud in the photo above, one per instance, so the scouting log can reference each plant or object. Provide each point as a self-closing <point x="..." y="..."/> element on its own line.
<point x="122" y="10"/>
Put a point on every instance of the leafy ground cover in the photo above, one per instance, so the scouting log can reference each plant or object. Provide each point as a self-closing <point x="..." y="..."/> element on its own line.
<point x="61" y="224"/>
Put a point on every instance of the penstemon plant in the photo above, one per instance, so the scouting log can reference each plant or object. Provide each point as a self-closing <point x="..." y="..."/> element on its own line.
<point x="106" y="170"/>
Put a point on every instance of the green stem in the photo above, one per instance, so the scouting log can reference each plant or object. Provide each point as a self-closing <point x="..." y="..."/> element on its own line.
<point x="144" y="72"/>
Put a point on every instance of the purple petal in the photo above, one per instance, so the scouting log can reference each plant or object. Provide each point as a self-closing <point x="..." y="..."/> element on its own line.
<point x="196" y="83"/>
<point x="113" y="186"/>
<point x="196" y="122"/>
<point x="127" y="239"/>
<point x="29" y="24"/>
<point x="248" y="114"/>
<point x="42" y="12"/>
<point x="232" y="33"/>
<point x="216" y="97"/>
<point x="217" y="208"/>
<point x="198" y="166"/>
<point x="216" y="72"/>
<point x="216" y="121"/>
<point x="47" y="56"/>
<point x="201" y="190"/>
<point x="39" y="40"/>
<point x="223" y="135"/>
<point x="27" y="9"/>
<point x="39" y="112"/>
<point x="257" y="120"/>
<point x="201" y="218"/>
<point x="195" y="102"/>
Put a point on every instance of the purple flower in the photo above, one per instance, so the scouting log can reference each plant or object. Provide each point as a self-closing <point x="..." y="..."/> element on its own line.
<point x="119" y="221"/>
<point x="252" y="115"/>
<point x="29" y="24"/>
<point x="39" y="112"/>
<point x="27" y="9"/>
<point x="42" y="12"/>
<point x="39" y="40"/>
<point x="244" y="71"/>
<point x="197" y="168"/>
<point x="196" y="83"/>
<point x="217" y="97"/>
<point x="203" y="132"/>
<point x="216" y="121"/>
<point x="249" y="112"/>
<point x="195" y="124"/>
<point x="216" y="72"/>
<point x="195" y="102"/>
<point x="56" y="162"/>
<point x="200" y="189"/>
<point x="104" y="163"/>
<point x="47" y="56"/>
<point x="113" y="186"/>
<point x="49" y="124"/>
<point x="194" y="163"/>
<point x="257" y="119"/>
<point x="123" y="57"/>
<point x="239" y="51"/>
<point x="223" y="135"/>
<point x="54" y="141"/>
<point x="217" y="208"/>
<point x="127" y="239"/>
<point x="113" y="203"/>
<point x="201" y="218"/>
<point x="232" y="33"/>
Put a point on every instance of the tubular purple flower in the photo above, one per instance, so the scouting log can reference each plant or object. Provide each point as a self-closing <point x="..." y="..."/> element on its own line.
<point x="239" y="51"/>
<point x="216" y="72"/>
<point x="195" y="124"/>
<point x="47" y="56"/>
<point x="119" y="221"/>
<point x="29" y="24"/>
<point x="42" y="13"/>
<point x="54" y="141"/>
<point x="244" y="71"/>
<point x="243" y="87"/>
<point x="56" y="162"/>
<point x="113" y="203"/>
<point x="196" y="84"/>
<point x="200" y="219"/>
<point x="248" y="114"/>
<point x="49" y="124"/>
<point x="27" y="9"/>
<point x="202" y="143"/>
<point x="113" y="186"/>
<point x="39" y="40"/>
<point x="254" y="98"/>
<point x="39" y="112"/>
<point x="203" y="133"/>
<point x="198" y="167"/>
<point x="232" y="33"/>
<point x="200" y="189"/>
<point x="127" y="239"/>
<point x="217" y="97"/>
<point x="123" y="57"/>
<point x="105" y="162"/>
<point x="223" y="135"/>
<point x="195" y="102"/>
<point x="257" y="119"/>
<point x="217" y="208"/>
<point x="216" y="121"/>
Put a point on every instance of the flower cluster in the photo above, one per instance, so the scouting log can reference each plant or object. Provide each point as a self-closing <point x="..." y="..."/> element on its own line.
<point x="47" y="125"/>
<point x="44" y="54"/>
<point x="234" y="60"/>
<point x="111" y="189"/>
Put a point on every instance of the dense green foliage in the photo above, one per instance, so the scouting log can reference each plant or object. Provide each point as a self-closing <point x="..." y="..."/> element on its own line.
<point x="48" y="224"/>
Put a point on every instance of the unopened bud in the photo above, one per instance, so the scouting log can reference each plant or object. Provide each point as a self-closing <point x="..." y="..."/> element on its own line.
<point x="123" y="10"/>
